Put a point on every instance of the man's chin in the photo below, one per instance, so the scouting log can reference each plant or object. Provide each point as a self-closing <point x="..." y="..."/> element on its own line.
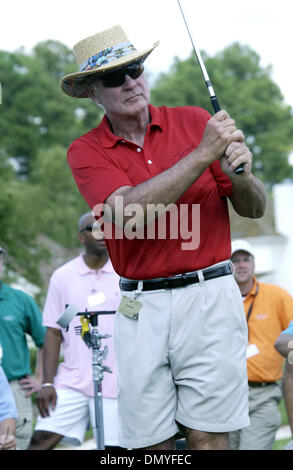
<point x="99" y="249"/>
<point x="241" y="279"/>
<point x="136" y="104"/>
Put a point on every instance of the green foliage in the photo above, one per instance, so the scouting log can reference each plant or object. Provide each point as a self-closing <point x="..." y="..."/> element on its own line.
<point x="280" y="445"/>
<point x="283" y="412"/>
<point x="17" y="223"/>
<point x="59" y="203"/>
<point x="47" y="204"/>
<point x="37" y="124"/>
<point x="35" y="113"/>
<point x="247" y="92"/>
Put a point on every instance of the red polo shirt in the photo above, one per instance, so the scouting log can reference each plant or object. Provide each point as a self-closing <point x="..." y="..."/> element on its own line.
<point x="102" y="162"/>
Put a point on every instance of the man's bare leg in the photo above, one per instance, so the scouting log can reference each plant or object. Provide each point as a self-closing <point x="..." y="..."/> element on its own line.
<point x="199" y="440"/>
<point x="44" y="440"/>
<point x="169" y="444"/>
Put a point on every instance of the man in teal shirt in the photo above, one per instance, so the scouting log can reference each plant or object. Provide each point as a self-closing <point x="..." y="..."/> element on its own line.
<point x="20" y="315"/>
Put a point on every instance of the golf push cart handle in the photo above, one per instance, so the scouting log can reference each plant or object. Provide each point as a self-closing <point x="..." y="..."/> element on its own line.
<point x="71" y="311"/>
<point x="240" y="169"/>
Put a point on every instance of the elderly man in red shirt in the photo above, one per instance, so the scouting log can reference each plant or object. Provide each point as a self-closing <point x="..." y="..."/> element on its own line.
<point x="180" y="328"/>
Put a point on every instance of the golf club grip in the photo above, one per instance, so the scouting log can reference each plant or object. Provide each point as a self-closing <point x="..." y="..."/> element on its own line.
<point x="215" y="104"/>
<point x="240" y="169"/>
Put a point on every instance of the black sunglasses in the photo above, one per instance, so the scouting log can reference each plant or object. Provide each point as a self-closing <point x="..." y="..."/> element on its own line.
<point x="117" y="78"/>
<point x="88" y="227"/>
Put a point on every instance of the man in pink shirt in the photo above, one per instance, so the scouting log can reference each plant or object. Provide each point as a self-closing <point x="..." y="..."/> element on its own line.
<point x="66" y="399"/>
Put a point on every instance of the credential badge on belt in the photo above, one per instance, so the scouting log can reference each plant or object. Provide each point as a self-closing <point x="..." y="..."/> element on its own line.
<point x="129" y="307"/>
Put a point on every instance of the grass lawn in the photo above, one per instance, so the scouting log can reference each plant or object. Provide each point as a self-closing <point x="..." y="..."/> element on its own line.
<point x="279" y="445"/>
<point x="284" y="419"/>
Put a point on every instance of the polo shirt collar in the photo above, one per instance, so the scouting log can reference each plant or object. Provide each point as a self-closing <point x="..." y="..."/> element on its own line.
<point x="85" y="269"/>
<point x="253" y="289"/>
<point x="3" y="291"/>
<point x="110" y="140"/>
<point x="155" y="114"/>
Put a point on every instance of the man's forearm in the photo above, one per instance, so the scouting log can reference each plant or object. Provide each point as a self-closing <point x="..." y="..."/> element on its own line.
<point x="288" y="393"/>
<point x="39" y="365"/>
<point x="161" y="191"/>
<point x="283" y="344"/>
<point x="51" y="352"/>
<point x="167" y="187"/>
<point x="249" y="196"/>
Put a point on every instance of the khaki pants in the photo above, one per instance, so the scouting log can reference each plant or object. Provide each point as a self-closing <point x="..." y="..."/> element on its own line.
<point x="24" y="422"/>
<point x="264" y="420"/>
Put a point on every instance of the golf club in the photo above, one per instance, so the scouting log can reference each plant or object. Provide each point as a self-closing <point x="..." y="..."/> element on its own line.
<point x="214" y="101"/>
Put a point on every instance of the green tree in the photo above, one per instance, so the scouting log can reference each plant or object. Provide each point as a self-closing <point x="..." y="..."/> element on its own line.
<point x="247" y="92"/>
<point x="58" y="204"/>
<point x="49" y="203"/>
<point x="18" y="224"/>
<point x="35" y="113"/>
<point x="37" y="124"/>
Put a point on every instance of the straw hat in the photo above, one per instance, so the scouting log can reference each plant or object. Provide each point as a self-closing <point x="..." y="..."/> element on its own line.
<point x="101" y="54"/>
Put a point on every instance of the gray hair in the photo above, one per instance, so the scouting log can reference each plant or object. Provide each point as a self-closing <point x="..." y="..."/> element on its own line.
<point x="94" y="96"/>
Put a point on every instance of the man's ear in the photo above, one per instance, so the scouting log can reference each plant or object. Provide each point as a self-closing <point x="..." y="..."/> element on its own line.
<point x="80" y="236"/>
<point x="91" y="91"/>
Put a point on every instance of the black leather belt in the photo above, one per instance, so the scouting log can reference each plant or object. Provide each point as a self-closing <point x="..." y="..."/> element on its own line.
<point x="260" y="384"/>
<point x="172" y="282"/>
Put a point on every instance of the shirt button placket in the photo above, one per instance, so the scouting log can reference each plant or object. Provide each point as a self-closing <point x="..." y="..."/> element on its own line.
<point x="149" y="163"/>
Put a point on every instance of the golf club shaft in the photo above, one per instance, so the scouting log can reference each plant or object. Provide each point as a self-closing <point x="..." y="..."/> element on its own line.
<point x="214" y="100"/>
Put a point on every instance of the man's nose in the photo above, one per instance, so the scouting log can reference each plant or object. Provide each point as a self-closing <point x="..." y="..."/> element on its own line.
<point x="242" y="263"/>
<point x="129" y="82"/>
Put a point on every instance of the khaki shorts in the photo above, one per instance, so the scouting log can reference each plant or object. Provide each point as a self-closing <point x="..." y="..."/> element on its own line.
<point x="265" y="420"/>
<point x="182" y="361"/>
<point x="24" y="422"/>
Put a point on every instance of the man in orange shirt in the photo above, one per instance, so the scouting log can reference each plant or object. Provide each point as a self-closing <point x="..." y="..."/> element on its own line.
<point x="269" y="310"/>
